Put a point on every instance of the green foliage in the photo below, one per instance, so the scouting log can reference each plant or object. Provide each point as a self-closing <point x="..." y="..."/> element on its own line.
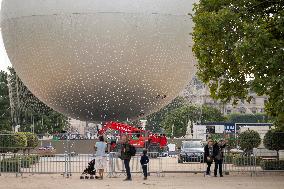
<point x="154" y="120"/>
<point x="272" y="164"/>
<point x="14" y="163"/>
<point x="19" y="142"/>
<point x="248" y="118"/>
<point x="239" y="47"/>
<point x="240" y="160"/>
<point x="27" y="110"/>
<point x="5" y="116"/>
<point x="10" y="165"/>
<point x="274" y="140"/>
<point x="178" y="119"/>
<point x="6" y="141"/>
<point x="32" y="140"/>
<point x="248" y="140"/>
<point x="12" y="142"/>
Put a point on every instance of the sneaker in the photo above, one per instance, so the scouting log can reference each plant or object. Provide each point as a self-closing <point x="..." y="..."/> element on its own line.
<point x="221" y="175"/>
<point x="215" y="175"/>
<point x="145" y="178"/>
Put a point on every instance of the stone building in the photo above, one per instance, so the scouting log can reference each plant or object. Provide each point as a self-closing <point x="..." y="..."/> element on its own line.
<point x="197" y="93"/>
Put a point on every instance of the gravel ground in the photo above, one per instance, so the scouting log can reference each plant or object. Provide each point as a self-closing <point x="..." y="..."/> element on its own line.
<point x="169" y="181"/>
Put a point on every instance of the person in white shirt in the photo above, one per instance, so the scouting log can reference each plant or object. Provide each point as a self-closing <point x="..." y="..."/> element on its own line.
<point x="100" y="158"/>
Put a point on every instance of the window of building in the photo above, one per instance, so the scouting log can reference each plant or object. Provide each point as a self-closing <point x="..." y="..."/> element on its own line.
<point x="253" y="100"/>
<point x="265" y="100"/>
<point x="229" y="111"/>
<point x="254" y="110"/>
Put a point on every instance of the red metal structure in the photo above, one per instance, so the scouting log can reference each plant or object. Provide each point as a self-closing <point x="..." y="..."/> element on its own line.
<point x="138" y="137"/>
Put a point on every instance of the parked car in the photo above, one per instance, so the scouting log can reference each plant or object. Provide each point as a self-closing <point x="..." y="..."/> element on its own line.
<point x="191" y="151"/>
<point x="46" y="151"/>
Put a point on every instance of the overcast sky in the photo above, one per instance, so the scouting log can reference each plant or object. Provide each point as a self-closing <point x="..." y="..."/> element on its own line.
<point x="4" y="60"/>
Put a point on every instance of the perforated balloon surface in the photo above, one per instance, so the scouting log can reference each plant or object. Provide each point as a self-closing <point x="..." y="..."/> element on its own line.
<point x="100" y="59"/>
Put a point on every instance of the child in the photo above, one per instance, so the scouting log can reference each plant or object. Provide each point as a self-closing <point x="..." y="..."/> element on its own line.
<point x="144" y="161"/>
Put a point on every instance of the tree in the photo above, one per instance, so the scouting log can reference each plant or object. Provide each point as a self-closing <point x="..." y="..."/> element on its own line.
<point x="248" y="140"/>
<point x="239" y="47"/>
<point x="177" y="120"/>
<point x="154" y="120"/>
<point x="27" y="110"/>
<point x="274" y="140"/>
<point x="248" y="118"/>
<point x="5" y="116"/>
<point x="210" y="114"/>
<point x="32" y="141"/>
<point x="12" y="142"/>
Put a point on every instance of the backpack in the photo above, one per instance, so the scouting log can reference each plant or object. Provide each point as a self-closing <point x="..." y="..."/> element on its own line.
<point x="132" y="150"/>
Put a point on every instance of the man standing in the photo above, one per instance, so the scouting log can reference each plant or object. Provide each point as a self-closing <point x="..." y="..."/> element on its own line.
<point x="218" y="154"/>
<point x="126" y="155"/>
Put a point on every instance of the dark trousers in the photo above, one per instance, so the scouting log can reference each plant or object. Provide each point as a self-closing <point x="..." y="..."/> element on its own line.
<point x="218" y="164"/>
<point x="208" y="168"/>
<point x="144" y="167"/>
<point x="127" y="168"/>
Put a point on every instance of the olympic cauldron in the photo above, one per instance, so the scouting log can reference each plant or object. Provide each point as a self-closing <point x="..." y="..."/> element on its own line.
<point x="100" y="59"/>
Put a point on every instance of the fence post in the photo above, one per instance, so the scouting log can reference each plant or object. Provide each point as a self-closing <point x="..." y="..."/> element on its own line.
<point x="18" y="170"/>
<point x="111" y="164"/>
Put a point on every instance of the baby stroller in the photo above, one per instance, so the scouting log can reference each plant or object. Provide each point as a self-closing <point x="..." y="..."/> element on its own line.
<point x="90" y="170"/>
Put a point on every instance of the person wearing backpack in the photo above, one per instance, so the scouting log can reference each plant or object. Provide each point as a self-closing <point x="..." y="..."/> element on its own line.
<point x="126" y="155"/>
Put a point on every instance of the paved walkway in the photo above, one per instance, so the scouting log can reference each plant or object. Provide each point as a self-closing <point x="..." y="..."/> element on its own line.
<point x="170" y="181"/>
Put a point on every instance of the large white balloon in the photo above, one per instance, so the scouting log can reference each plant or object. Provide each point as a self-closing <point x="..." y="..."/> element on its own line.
<point x="100" y="59"/>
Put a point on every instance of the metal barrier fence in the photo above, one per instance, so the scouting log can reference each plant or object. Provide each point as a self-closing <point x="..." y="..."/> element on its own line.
<point x="20" y="161"/>
<point x="68" y="164"/>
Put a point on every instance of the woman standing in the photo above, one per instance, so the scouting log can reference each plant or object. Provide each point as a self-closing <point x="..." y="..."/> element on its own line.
<point x="100" y="148"/>
<point x="209" y="155"/>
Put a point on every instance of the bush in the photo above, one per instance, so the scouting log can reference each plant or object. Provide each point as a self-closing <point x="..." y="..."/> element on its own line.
<point x="6" y="141"/>
<point x="240" y="160"/>
<point x="26" y="161"/>
<point x="20" y="142"/>
<point x="32" y="140"/>
<point x="12" y="142"/>
<point x="34" y="158"/>
<point x="272" y="164"/>
<point x="248" y="140"/>
<point x="273" y="140"/>
<point x="13" y="164"/>
<point x="10" y="165"/>
<point x="228" y="158"/>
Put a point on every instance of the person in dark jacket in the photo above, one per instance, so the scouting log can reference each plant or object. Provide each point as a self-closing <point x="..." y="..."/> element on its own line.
<point x="126" y="155"/>
<point x="209" y="155"/>
<point x="144" y="161"/>
<point x="218" y="154"/>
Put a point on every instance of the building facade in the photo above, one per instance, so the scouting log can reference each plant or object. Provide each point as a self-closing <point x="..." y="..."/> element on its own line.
<point x="197" y="93"/>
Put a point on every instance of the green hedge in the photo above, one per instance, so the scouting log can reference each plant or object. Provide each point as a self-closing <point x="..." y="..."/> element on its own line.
<point x="272" y="164"/>
<point x="240" y="160"/>
<point x="10" y="165"/>
<point x="35" y="158"/>
<point x="13" y="164"/>
<point x="26" y="162"/>
<point x="246" y="160"/>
